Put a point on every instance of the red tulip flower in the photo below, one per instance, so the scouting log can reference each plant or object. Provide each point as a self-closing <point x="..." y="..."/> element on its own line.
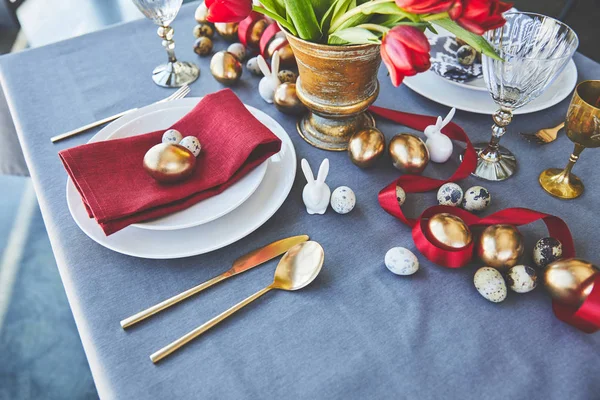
<point x="425" y="6"/>
<point x="479" y="16"/>
<point x="405" y="52"/>
<point x="228" y="10"/>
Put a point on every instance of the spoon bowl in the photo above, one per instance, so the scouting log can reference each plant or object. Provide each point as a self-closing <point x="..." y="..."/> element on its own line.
<point x="299" y="266"/>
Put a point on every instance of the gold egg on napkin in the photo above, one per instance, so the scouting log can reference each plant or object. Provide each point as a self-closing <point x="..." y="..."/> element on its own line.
<point x="449" y="230"/>
<point x="500" y="246"/>
<point x="366" y="146"/>
<point x="286" y="100"/>
<point x="409" y="153"/>
<point x="570" y="280"/>
<point x="169" y="163"/>
<point x="226" y="68"/>
<point x="227" y="30"/>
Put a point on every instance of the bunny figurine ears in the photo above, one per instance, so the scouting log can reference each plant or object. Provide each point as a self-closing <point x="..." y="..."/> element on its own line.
<point x="268" y="84"/>
<point x="316" y="193"/>
<point x="439" y="145"/>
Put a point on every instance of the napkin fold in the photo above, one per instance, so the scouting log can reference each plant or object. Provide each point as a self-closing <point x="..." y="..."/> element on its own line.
<point x="118" y="192"/>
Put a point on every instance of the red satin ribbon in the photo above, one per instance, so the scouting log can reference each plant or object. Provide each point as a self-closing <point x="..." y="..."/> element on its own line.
<point x="585" y="318"/>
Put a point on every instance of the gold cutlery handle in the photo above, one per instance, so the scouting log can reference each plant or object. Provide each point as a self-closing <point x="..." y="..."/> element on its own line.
<point x="142" y="315"/>
<point x="182" y="341"/>
<point x="84" y="128"/>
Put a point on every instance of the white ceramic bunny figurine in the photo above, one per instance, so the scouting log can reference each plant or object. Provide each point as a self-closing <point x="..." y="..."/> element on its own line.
<point x="316" y="193"/>
<point x="439" y="145"/>
<point x="268" y="84"/>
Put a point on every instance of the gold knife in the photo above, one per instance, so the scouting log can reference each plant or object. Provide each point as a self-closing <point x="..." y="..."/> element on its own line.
<point x="244" y="263"/>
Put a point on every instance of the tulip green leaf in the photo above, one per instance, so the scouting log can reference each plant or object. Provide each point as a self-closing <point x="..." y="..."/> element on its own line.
<point x="275" y="6"/>
<point x="353" y="35"/>
<point x="477" y="42"/>
<point x="305" y="21"/>
<point x="336" y="10"/>
<point x="321" y="6"/>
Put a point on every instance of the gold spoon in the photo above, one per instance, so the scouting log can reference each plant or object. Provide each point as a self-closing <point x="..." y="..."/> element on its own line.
<point x="297" y="268"/>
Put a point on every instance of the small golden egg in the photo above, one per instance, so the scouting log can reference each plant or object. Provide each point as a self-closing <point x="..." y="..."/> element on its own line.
<point x="203" y="46"/>
<point x="500" y="246"/>
<point x="227" y="30"/>
<point x="226" y="68"/>
<point x="169" y="163"/>
<point x="409" y="153"/>
<point x="450" y="231"/>
<point x="256" y="32"/>
<point x="366" y="146"/>
<point x="204" y="30"/>
<point x="280" y="44"/>
<point x="570" y="281"/>
<point x="201" y="13"/>
<point x="286" y="100"/>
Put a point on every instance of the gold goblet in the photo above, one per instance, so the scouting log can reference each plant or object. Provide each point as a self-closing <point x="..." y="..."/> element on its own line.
<point x="583" y="128"/>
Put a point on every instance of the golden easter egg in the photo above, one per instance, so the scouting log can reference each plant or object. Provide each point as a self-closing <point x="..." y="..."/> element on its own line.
<point x="570" y="281"/>
<point x="450" y="231"/>
<point x="500" y="246"/>
<point x="366" y="146"/>
<point x="169" y="163"/>
<point x="409" y="153"/>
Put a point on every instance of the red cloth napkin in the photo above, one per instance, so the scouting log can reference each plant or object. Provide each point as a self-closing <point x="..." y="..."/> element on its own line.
<point x="117" y="191"/>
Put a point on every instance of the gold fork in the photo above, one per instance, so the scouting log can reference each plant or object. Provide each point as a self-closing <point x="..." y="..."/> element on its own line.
<point x="544" y="136"/>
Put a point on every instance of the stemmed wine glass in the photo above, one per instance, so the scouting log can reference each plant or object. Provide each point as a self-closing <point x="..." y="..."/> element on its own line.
<point x="535" y="49"/>
<point x="174" y="73"/>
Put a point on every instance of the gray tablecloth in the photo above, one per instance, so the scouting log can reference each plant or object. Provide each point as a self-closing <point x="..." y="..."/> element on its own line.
<point x="358" y="332"/>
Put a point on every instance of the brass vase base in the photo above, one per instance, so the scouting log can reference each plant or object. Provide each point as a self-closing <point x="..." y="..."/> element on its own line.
<point x="560" y="183"/>
<point x="332" y="134"/>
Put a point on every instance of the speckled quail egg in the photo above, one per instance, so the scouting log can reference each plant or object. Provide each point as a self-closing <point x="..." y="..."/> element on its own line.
<point x="172" y="136"/>
<point x="401" y="261"/>
<point x="521" y="279"/>
<point x="253" y="67"/>
<point x="490" y="284"/>
<point x="204" y="29"/>
<point x="192" y="144"/>
<point x="476" y="198"/>
<point x="546" y="251"/>
<point x="466" y="55"/>
<point x="343" y="200"/>
<point x="238" y="50"/>
<point x="203" y="46"/>
<point x="287" y="76"/>
<point x="450" y="194"/>
<point x="400" y="195"/>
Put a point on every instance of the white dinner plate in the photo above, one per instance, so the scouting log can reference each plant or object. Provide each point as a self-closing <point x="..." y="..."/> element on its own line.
<point x="205" y="210"/>
<point x="233" y="226"/>
<point x="438" y="89"/>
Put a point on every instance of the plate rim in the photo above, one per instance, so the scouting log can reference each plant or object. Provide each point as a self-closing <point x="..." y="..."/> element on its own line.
<point x="284" y="193"/>
<point x="520" y="111"/>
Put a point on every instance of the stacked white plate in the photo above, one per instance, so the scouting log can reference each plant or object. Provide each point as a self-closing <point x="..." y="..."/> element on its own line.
<point x="474" y="97"/>
<point x="210" y="224"/>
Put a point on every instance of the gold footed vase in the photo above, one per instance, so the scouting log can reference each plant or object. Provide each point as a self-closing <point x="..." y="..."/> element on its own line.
<point x="337" y="84"/>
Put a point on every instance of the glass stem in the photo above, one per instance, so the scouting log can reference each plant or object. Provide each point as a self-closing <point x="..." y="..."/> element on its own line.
<point x="166" y="34"/>
<point x="502" y="118"/>
<point x="572" y="159"/>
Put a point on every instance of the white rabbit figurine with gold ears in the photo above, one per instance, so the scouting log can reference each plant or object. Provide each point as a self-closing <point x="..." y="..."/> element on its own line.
<point x="438" y="144"/>
<point x="316" y="193"/>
